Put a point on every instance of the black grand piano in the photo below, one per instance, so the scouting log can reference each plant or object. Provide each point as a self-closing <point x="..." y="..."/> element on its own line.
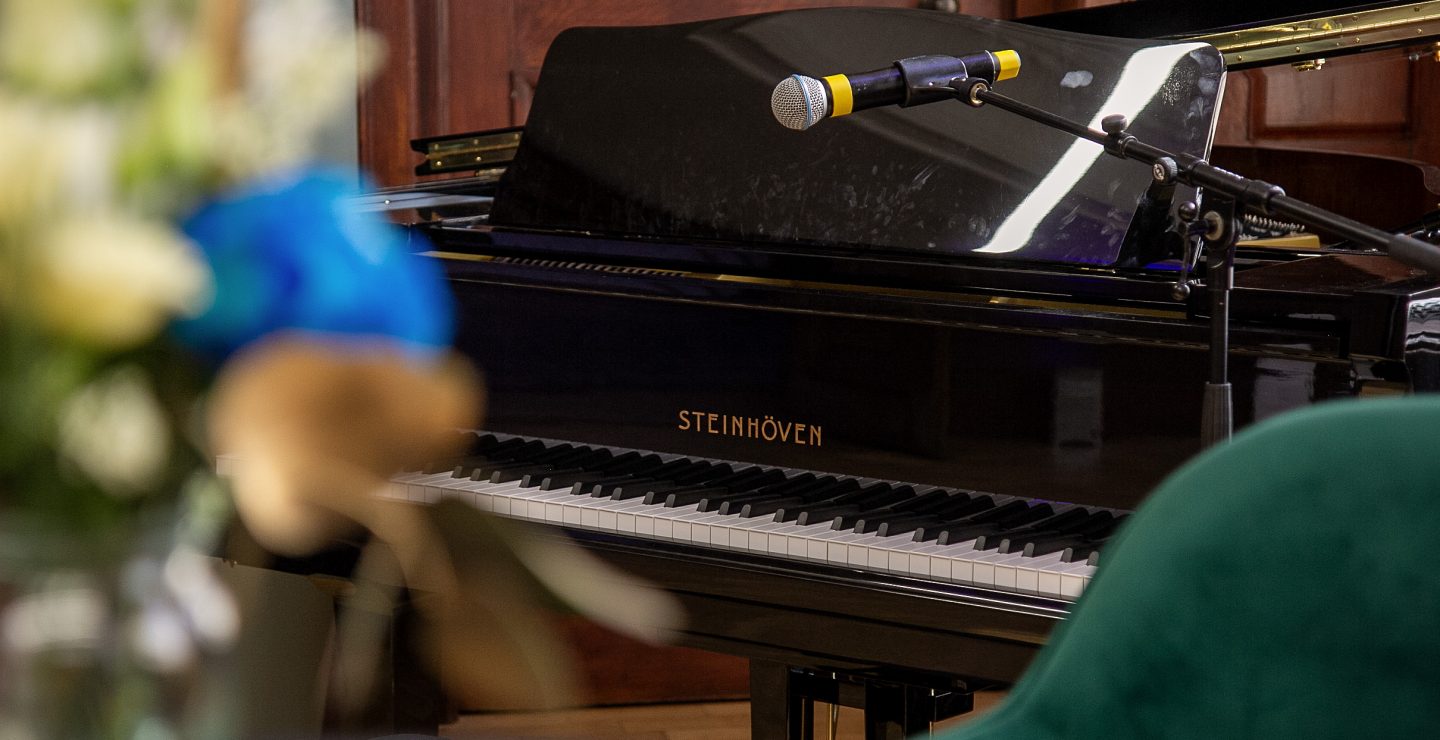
<point x="870" y="398"/>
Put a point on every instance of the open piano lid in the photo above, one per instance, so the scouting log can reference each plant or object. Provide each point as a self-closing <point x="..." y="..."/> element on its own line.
<point x="667" y="132"/>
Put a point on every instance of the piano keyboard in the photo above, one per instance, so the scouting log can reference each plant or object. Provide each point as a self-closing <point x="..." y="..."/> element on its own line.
<point x="990" y="541"/>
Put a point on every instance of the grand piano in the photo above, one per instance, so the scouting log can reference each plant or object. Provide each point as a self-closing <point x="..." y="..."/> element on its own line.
<point x="869" y="399"/>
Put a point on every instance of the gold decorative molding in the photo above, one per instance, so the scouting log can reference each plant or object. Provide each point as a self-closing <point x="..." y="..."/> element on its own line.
<point x="1414" y="23"/>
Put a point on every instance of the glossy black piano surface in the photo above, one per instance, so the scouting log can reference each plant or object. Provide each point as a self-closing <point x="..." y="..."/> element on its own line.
<point x="672" y="136"/>
<point x="673" y="271"/>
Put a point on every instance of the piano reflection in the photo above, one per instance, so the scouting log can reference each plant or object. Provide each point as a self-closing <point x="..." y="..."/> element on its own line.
<point x="869" y="398"/>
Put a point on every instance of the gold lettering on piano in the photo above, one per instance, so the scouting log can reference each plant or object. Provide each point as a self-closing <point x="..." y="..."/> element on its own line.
<point x="765" y="428"/>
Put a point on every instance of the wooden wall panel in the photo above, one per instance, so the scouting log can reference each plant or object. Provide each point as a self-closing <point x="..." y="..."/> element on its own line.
<point x="476" y="62"/>
<point x="1368" y="93"/>
<point x="1023" y="8"/>
<point x="389" y="106"/>
<point x="468" y="65"/>
<point x="1425" y="121"/>
<point x="1384" y="103"/>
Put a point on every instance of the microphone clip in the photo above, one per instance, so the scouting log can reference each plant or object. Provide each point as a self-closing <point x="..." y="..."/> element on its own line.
<point x="931" y="78"/>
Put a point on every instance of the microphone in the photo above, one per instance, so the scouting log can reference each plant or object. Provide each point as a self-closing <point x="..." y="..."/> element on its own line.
<point x="799" y="102"/>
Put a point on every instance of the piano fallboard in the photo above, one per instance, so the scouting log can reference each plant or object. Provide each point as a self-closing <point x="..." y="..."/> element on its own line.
<point x="1029" y="393"/>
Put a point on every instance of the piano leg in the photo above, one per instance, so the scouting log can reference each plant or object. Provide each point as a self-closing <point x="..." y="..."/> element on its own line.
<point x="782" y="702"/>
<point x="895" y="712"/>
<point x="777" y="710"/>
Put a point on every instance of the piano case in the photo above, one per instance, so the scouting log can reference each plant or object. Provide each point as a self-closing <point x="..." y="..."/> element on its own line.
<point x="937" y="300"/>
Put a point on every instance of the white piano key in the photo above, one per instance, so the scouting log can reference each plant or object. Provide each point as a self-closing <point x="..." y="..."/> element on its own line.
<point x="744" y="534"/>
<point x="760" y="534"/>
<point x="958" y="563"/>
<point x="802" y="542"/>
<point x="1048" y="583"/>
<point x="693" y="525"/>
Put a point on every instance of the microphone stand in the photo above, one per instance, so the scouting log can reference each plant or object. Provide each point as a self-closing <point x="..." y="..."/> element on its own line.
<point x="1227" y="196"/>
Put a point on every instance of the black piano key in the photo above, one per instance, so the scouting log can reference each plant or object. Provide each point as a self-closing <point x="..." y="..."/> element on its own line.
<point x="740" y="480"/>
<point x="583" y="459"/>
<point x="552" y="480"/>
<point x="604" y="487"/>
<point x="549" y="454"/>
<point x="1090" y="551"/>
<point x="713" y="503"/>
<point x="733" y="504"/>
<point x="1097" y="526"/>
<point x="927" y="500"/>
<point x="928" y="529"/>
<point x="705" y="472"/>
<point x="907" y="509"/>
<point x="998" y="519"/>
<point x="721" y="477"/>
<point x="848" y="518"/>
<point x="805" y="516"/>
<point x="902" y="525"/>
<point x="714" y="500"/>
<point x="564" y="454"/>
<point x="768" y="506"/>
<point x="499" y="456"/>
<point x="1015" y="537"/>
<point x="476" y="445"/>
<point x="873" y="496"/>
<point x="619" y="465"/>
<point x="466" y="465"/>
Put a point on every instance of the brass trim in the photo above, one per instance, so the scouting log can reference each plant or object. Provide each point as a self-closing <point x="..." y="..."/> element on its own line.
<point x="473" y="150"/>
<point x="1285" y="42"/>
<point x="1039" y="303"/>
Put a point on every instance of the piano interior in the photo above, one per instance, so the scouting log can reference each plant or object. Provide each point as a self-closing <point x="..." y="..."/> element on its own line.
<point x="870" y="398"/>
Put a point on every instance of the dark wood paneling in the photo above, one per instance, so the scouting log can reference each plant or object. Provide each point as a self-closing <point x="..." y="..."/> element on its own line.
<point x="1384" y="103"/>
<point x="469" y="65"/>
<point x="1425" y="107"/>
<point x="1348" y="96"/>
<point x="987" y="8"/>
<point x="1024" y="8"/>
<point x="477" y="60"/>
<point x="1233" y="125"/>
<point x="390" y="105"/>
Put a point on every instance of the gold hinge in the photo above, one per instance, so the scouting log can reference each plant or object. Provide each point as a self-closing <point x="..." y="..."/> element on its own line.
<point x="473" y="151"/>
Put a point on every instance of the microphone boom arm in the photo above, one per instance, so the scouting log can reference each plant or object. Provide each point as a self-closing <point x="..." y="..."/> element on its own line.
<point x="1227" y="195"/>
<point x="1249" y="194"/>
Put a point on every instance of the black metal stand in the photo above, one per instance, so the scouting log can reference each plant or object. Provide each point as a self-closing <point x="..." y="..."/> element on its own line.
<point x="1228" y="195"/>
<point x="782" y="703"/>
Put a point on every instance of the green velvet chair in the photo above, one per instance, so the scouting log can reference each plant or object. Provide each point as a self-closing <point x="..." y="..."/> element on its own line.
<point x="1284" y="585"/>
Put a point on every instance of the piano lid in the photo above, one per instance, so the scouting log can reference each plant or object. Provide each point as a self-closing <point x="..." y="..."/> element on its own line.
<point x="666" y="131"/>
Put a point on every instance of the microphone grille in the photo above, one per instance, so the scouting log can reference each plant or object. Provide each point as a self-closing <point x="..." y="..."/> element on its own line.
<point x="798" y="102"/>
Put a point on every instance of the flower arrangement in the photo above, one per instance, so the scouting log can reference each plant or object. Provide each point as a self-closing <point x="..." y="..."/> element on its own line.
<point x="178" y="278"/>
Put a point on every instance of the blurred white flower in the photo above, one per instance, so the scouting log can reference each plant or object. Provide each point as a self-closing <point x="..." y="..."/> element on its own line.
<point x="61" y="615"/>
<point x="159" y="636"/>
<point x="62" y="46"/>
<point x="207" y="603"/>
<point x="29" y="175"/>
<point x="114" y="431"/>
<point x="54" y="158"/>
<point x="114" y="280"/>
<point x="292" y="91"/>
